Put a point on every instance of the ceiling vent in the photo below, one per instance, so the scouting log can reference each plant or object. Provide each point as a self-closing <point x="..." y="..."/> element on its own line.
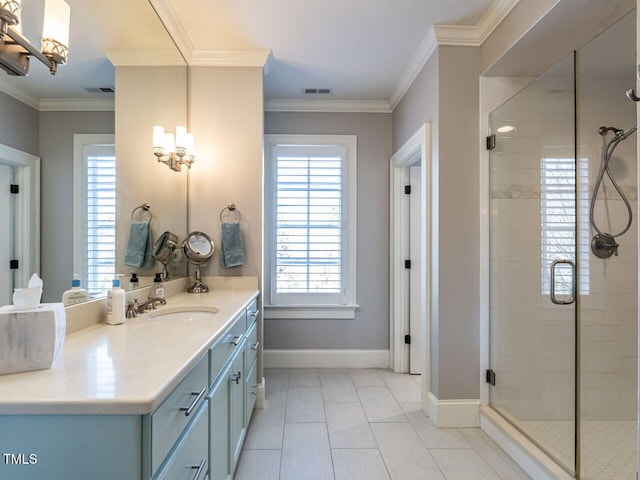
<point x="316" y="91"/>
<point x="100" y="89"/>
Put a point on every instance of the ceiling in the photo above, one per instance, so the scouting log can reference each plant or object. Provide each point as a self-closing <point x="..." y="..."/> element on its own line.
<point x="361" y="50"/>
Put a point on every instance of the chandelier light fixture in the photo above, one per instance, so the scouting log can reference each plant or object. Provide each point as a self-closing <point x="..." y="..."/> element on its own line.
<point x="173" y="150"/>
<point x="16" y="50"/>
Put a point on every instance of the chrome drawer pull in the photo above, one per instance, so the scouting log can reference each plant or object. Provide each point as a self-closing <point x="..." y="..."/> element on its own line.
<point x="255" y="390"/>
<point x="187" y="410"/>
<point x="236" y="340"/>
<point x="255" y="346"/>
<point x="235" y="377"/>
<point x="253" y="314"/>
<point x="201" y="467"/>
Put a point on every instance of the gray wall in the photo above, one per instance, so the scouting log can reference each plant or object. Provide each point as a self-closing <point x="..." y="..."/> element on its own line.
<point x="370" y="328"/>
<point x="18" y="124"/>
<point x="56" y="195"/>
<point x="446" y="93"/>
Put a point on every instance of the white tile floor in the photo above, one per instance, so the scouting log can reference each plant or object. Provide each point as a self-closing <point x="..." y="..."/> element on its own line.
<point x="341" y="424"/>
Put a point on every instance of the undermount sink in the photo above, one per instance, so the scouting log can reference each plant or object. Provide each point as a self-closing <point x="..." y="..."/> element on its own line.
<point x="182" y="314"/>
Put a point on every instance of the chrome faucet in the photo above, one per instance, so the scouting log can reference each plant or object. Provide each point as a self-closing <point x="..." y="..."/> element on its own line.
<point x="134" y="308"/>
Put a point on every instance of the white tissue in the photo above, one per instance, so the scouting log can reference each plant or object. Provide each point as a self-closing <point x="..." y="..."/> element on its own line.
<point x="26" y="298"/>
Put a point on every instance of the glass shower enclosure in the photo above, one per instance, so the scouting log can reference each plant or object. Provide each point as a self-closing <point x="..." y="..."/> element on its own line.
<point x="563" y="314"/>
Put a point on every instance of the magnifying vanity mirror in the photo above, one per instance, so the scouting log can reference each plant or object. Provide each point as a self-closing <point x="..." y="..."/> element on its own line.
<point x="163" y="250"/>
<point x="198" y="248"/>
<point x="80" y="99"/>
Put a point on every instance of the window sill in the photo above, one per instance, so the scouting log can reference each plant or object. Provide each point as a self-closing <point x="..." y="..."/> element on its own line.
<point x="316" y="312"/>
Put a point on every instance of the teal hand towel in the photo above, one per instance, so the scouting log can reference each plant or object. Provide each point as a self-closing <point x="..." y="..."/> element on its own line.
<point x="232" y="245"/>
<point x="138" y="245"/>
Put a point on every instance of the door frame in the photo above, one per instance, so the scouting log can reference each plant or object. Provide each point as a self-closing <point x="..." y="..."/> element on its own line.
<point x="27" y="233"/>
<point x="416" y="148"/>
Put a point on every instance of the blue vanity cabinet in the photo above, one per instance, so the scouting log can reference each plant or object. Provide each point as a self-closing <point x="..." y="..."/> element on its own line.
<point x="237" y="427"/>
<point x="99" y="447"/>
<point x="189" y="459"/>
<point x="171" y="419"/>
<point x="219" y="457"/>
<point x="231" y="359"/>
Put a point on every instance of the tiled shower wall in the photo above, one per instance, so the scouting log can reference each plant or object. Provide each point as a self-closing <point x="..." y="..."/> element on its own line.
<point x="532" y="339"/>
<point x="608" y="313"/>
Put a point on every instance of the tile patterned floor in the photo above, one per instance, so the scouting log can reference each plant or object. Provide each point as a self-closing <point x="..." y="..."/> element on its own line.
<point x="360" y="424"/>
<point x="608" y="447"/>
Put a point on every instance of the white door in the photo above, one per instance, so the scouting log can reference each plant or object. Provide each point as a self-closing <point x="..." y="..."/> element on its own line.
<point x="6" y="235"/>
<point x="416" y="218"/>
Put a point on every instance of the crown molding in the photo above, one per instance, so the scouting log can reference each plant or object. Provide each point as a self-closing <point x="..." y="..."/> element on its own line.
<point x="474" y="36"/>
<point x="344" y="106"/>
<point x="177" y="32"/>
<point x="231" y="58"/>
<point x="427" y="47"/>
<point x="77" y="105"/>
<point x="458" y="35"/>
<point x="121" y="57"/>
<point x="19" y="95"/>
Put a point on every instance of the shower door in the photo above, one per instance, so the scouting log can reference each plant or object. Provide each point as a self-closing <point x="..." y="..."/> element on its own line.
<point x="535" y="193"/>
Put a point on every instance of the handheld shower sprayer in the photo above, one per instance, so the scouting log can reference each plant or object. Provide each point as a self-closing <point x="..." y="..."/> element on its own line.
<point x="603" y="244"/>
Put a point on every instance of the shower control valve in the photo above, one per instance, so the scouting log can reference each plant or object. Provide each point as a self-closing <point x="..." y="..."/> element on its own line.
<point x="604" y="245"/>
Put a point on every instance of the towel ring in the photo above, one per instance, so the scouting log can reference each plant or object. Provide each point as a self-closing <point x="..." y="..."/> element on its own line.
<point x="146" y="208"/>
<point x="233" y="210"/>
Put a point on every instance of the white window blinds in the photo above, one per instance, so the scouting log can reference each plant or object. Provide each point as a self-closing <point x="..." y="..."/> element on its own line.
<point x="310" y="222"/>
<point x="101" y="216"/>
<point x="564" y="192"/>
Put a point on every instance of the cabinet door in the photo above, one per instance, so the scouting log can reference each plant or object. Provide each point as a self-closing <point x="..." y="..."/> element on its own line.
<point x="250" y="392"/>
<point x="236" y="404"/>
<point x="219" y="456"/>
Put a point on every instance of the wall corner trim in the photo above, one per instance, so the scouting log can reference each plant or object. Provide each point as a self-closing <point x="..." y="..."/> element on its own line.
<point x="333" y="358"/>
<point x="454" y="413"/>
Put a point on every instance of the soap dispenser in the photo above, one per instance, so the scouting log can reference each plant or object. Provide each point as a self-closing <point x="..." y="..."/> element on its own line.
<point x="116" y="305"/>
<point x="75" y="294"/>
<point x="158" y="287"/>
<point x="134" y="282"/>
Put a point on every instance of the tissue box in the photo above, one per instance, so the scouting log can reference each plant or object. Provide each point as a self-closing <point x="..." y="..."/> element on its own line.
<point x="31" y="339"/>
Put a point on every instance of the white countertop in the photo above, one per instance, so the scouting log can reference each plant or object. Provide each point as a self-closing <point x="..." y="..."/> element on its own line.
<point x="122" y="369"/>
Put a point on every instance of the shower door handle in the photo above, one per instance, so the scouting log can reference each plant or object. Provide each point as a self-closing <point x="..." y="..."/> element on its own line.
<point x="552" y="289"/>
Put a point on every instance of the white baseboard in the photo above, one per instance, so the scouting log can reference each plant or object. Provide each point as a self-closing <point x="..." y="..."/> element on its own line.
<point x="453" y="413"/>
<point x="530" y="458"/>
<point x="338" y="358"/>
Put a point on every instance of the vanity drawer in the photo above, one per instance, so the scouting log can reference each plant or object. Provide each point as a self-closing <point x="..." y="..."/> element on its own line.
<point x="251" y="348"/>
<point x="221" y="351"/>
<point x="189" y="460"/>
<point x="252" y="312"/>
<point x="170" y="419"/>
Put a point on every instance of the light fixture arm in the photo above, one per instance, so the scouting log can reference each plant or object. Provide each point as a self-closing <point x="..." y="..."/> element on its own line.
<point x="16" y="50"/>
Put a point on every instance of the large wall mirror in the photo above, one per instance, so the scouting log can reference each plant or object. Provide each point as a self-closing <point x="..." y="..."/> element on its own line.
<point x="74" y="116"/>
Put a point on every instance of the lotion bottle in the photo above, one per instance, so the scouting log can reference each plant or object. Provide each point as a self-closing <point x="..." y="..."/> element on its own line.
<point x="75" y="294"/>
<point x="116" y="305"/>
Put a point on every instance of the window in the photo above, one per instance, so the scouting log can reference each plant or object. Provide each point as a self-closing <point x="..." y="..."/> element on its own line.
<point x="560" y="232"/>
<point x="310" y="226"/>
<point x="95" y="211"/>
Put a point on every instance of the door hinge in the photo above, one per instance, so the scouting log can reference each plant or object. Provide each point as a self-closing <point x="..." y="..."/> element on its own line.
<point x="491" y="142"/>
<point x="407" y="264"/>
<point x="15" y="188"/>
<point x="491" y="377"/>
<point x="407" y="189"/>
<point x="407" y="339"/>
<point x="13" y="264"/>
